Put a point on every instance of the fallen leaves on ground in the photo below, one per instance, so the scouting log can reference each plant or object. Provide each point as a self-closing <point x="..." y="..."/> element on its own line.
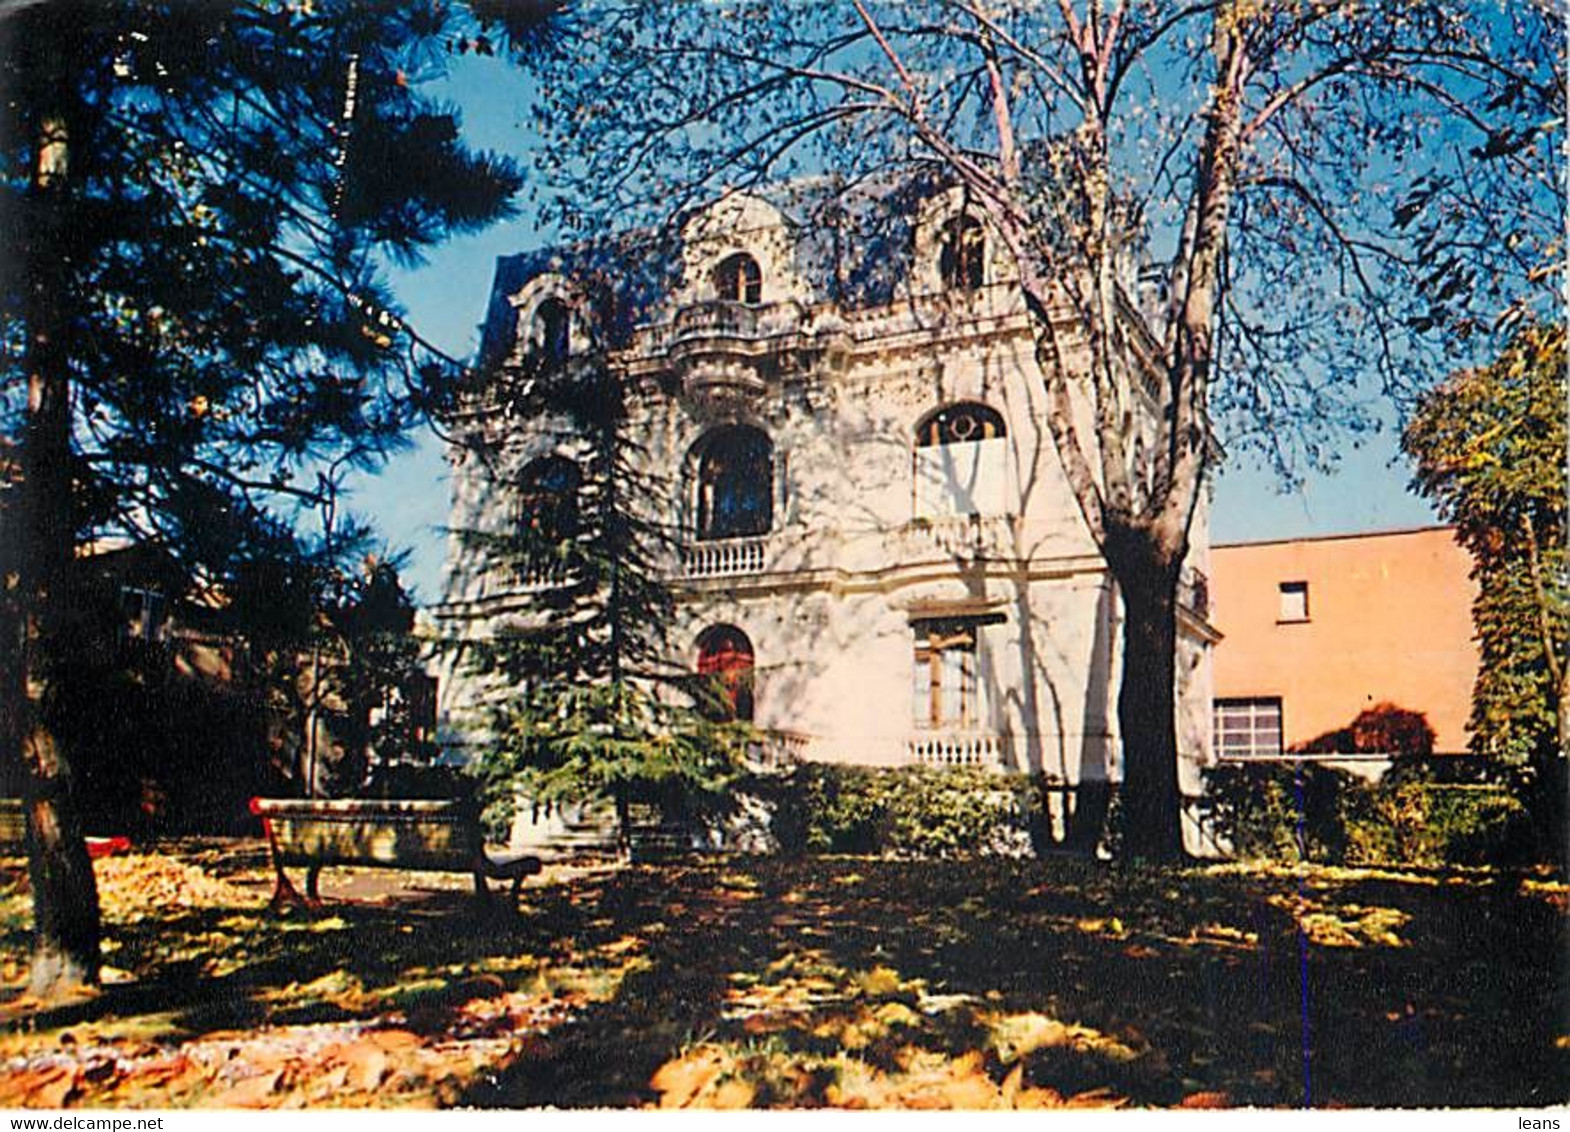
<point x="791" y="984"/>
<point x="374" y="1063"/>
<point x="1345" y="925"/>
<point x="149" y="885"/>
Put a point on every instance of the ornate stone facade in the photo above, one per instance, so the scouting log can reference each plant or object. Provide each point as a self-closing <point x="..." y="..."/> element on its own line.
<point x="864" y="489"/>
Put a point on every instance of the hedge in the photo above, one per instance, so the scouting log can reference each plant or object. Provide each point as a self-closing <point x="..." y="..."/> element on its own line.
<point x="906" y="811"/>
<point x="1420" y="813"/>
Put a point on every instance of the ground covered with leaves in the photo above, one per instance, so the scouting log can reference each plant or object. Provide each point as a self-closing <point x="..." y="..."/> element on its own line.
<point x="838" y="982"/>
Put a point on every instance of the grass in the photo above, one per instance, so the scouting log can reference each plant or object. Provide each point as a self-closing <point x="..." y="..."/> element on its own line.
<point x="829" y="981"/>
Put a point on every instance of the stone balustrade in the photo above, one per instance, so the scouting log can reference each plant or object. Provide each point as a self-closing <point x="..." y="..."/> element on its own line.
<point x="724" y="558"/>
<point x="720" y="318"/>
<point x="957" y="748"/>
<point x="540" y="574"/>
<point x="778" y="751"/>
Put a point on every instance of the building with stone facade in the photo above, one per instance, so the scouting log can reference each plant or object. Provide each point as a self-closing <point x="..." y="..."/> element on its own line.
<point x="873" y="527"/>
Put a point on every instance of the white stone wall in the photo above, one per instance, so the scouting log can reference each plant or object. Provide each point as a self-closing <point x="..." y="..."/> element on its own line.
<point x="829" y="596"/>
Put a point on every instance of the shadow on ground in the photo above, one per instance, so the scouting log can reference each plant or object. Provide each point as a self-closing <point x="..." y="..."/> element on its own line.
<point x="840" y="981"/>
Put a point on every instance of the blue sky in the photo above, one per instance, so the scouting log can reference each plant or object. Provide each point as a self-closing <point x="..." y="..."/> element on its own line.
<point x="446" y="299"/>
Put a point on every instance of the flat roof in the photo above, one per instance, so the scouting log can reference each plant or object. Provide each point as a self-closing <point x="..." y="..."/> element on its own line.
<point x="1396" y="532"/>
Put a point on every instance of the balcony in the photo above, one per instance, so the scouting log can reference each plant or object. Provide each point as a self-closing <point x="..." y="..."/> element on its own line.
<point x="538" y="575"/>
<point x="718" y="320"/>
<point x="775" y="752"/>
<point x="957" y="748"/>
<point x="723" y="351"/>
<point x="959" y="538"/>
<point x="715" y="319"/>
<point x="724" y="558"/>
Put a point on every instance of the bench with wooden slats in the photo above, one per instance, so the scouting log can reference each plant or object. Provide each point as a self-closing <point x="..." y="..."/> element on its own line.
<point x="13" y="827"/>
<point x="394" y="834"/>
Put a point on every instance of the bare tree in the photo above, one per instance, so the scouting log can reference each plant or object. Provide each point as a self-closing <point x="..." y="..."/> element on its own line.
<point x="1327" y="182"/>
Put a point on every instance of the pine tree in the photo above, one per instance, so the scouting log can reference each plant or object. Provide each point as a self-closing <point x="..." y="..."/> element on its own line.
<point x="194" y="207"/>
<point x="585" y="703"/>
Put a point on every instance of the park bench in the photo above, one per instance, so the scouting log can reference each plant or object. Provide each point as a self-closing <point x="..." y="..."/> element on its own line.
<point x="396" y="834"/>
<point x="13" y="826"/>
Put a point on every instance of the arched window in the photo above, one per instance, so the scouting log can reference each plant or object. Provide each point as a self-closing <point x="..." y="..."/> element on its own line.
<point x="964" y="423"/>
<point x="961" y="462"/>
<point x="739" y="279"/>
<point x="552" y="335"/>
<point x="725" y="662"/>
<point x="547" y="498"/>
<point x="735" y="483"/>
<point x="962" y="260"/>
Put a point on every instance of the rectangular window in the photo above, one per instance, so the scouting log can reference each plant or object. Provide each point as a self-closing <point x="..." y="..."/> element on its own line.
<point x="419" y="692"/>
<point x="1248" y="728"/>
<point x="946" y="689"/>
<point x="1294" y="601"/>
<point x="143" y="610"/>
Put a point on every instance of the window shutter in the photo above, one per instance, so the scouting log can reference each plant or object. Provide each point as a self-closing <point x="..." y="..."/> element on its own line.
<point x="991" y="480"/>
<point x="962" y="479"/>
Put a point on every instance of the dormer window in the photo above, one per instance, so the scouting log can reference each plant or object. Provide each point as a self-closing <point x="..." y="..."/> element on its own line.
<point x="739" y="279"/>
<point x="552" y="335"/>
<point x="962" y="260"/>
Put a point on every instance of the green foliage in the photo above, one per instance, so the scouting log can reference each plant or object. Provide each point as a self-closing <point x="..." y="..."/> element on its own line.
<point x="1276" y="811"/>
<point x="567" y="742"/>
<point x="1426" y="823"/>
<point x="237" y="178"/>
<point x="906" y="811"/>
<point x="1490" y="449"/>
<point x="587" y="704"/>
<point x="1415" y="815"/>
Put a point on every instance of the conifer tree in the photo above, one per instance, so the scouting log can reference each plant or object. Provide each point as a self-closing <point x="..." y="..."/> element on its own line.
<point x="195" y="205"/>
<point x="585" y="702"/>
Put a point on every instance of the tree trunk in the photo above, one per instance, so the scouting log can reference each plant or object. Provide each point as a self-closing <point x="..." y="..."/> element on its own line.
<point x="623" y="824"/>
<point x="1151" y="822"/>
<point x="66" y="924"/>
<point x="1549" y="796"/>
<point x="65" y="896"/>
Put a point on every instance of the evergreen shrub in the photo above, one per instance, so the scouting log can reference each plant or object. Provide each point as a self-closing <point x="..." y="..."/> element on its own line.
<point x="1420" y="813"/>
<point x="912" y="811"/>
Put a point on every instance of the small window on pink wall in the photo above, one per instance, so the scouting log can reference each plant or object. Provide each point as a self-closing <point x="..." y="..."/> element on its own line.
<point x="1294" y="602"/>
